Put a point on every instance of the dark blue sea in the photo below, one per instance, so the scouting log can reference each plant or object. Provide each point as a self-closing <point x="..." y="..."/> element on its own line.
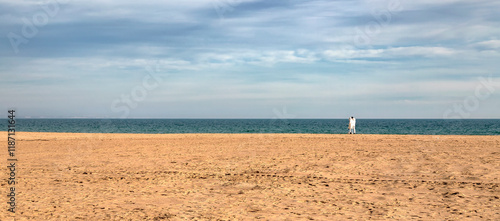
<point x="313" y="126"/>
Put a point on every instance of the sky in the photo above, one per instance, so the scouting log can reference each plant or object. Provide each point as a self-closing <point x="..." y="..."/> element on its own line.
<point x="250" y="59"/>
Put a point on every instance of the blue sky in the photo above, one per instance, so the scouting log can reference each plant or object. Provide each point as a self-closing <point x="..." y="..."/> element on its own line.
<point x="251" y="59"/>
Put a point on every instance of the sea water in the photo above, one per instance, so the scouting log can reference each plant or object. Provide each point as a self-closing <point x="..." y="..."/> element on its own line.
<point x="312" y="126"/>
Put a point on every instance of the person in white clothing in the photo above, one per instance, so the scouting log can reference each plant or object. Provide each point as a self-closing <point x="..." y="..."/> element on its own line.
<point x="352" y="125"/>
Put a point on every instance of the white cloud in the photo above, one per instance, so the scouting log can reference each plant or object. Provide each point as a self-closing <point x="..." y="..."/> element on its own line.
<point x="389" y="53"/>
<point x="421" y="51"/>
<point x="488" y="45"/>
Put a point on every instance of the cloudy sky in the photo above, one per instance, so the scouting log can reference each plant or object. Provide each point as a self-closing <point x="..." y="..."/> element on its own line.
<point x="251" y="58"/>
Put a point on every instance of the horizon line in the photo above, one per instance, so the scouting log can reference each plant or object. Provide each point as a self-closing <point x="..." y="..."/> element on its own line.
<point x="196" y="118"/>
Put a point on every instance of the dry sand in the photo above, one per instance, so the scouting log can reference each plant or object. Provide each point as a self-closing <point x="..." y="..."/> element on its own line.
<point x="67" y="176"/>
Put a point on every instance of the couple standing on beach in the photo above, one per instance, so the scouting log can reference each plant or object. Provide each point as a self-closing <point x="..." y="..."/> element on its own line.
<point x="352" y="125"/>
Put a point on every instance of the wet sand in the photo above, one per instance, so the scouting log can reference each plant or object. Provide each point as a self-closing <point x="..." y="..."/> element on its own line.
<point x="64" y="176"/>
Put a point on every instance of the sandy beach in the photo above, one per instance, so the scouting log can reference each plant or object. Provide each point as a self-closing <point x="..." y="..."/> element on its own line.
<point x="65" y="176"/>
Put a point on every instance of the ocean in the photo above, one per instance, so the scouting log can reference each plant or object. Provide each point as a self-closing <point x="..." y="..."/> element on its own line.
<point x="313" y="126"/>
